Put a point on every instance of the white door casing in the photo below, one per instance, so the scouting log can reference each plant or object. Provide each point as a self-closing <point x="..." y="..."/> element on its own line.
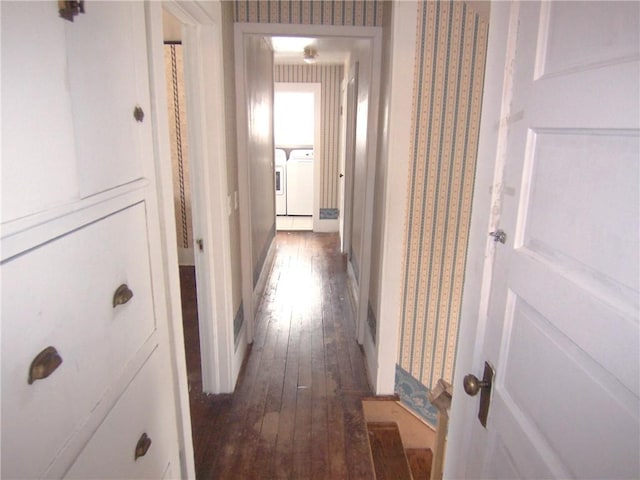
<point x="201" y="30"/>
<point x="555" y="309"/>
<point x="316" y="90"/>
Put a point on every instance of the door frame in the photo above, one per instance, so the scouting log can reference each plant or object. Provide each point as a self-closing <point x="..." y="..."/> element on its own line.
<point x="374" y="35"/>
<point x="202" y="38"/>
<point x="204" y="89"/>
<point x="494" y="123"/>
<point x="316" y="89"/>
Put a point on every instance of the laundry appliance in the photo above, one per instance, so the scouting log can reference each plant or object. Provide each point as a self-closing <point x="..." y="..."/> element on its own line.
<point x="280" y="181"/>
<point x="299" y="182"/>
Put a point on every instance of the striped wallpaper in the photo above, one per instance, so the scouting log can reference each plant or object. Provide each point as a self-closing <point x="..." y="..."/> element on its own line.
<point x="361" y="13"/>
<point x="178" y="133"/>
<point x="329" y="77"/>
<point x="448" y="81"/>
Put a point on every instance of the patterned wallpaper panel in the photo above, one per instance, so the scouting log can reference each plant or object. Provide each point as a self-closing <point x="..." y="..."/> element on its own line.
<point x="179" y="149"/>
<point x="329" y="77"/>
<point x="448" y="82"/>
<point x="360" y="13"/>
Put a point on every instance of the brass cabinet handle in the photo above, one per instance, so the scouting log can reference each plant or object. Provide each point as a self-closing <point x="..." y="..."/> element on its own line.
<point x="142" y="446"/>
<point x="122" y="295"/>
<point x="44" y="364"/>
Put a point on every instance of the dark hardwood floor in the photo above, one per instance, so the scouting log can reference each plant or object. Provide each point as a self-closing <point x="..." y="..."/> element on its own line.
<point x="296" y="412"/>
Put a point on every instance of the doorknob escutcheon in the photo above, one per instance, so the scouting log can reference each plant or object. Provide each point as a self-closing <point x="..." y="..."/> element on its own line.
<point x="472" y="385"/>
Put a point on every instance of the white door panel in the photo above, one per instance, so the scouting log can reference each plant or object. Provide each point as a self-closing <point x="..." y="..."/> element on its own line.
<point x="111" y="145"/>
<point x="561" y="304"/>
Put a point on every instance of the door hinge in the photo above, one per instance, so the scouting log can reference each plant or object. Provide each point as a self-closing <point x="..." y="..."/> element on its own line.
<point x="70" y="8"/>
<point x="499" y="236"/>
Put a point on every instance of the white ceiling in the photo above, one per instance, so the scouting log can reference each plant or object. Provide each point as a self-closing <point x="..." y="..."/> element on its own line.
<point x="331" y="50"/>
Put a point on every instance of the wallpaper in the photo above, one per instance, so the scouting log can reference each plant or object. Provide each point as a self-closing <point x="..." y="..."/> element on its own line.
<point x="179" y="148"/>
<point x="329" y="77"/>
<point x="448" y="82"/>
<point x="360" y="13"/>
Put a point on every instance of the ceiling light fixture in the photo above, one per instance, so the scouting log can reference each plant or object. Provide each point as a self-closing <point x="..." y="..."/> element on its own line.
<point x="310" y="54"/>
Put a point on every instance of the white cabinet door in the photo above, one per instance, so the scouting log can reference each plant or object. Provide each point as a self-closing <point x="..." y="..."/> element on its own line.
<point x="108" y="78"/>
<point x="561" y="302"/>
<point x="69" y="90"/>
<point x="38" y="150"/>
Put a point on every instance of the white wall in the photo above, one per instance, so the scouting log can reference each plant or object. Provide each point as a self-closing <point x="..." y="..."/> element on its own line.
<point x="396" y="157"/>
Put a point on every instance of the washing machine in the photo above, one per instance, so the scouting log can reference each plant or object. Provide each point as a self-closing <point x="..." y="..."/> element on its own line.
<point x="280" y="181"/>
<point x="299" y="182"/>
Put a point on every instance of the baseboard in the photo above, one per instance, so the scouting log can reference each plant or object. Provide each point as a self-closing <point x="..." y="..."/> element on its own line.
<point x="258" y="291"/>
<point x="323" y="225"/>
<point x="352" y="285"/>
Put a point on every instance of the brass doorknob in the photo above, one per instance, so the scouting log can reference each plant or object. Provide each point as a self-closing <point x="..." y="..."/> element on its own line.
<point x="472" y="385"/>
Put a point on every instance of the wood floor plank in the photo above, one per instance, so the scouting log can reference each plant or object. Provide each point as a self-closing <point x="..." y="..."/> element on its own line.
<point x="296" y="412"/>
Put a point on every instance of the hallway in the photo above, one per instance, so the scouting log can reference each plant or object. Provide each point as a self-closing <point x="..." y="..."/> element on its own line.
<point x="296" y="412"/>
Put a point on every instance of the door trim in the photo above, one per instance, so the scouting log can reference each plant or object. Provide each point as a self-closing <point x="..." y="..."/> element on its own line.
<point x="202" y="37"/>
<point x="316" y="89"/>
<point x="480" y="252"/>
<point x="204" y="87"/>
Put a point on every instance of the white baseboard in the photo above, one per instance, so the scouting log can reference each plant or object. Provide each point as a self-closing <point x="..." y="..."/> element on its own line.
<point x="258" y="291"/>
<point x="326" y="225"/>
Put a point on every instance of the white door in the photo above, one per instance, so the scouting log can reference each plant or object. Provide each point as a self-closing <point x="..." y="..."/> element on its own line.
<point x="558" y="316"/>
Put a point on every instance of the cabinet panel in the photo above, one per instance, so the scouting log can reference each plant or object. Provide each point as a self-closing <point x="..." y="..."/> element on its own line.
<point x="38" y="151"/>
<point x="111" y="453"/>
<point x="61" y="294"/>
<point x="108" y="78"/>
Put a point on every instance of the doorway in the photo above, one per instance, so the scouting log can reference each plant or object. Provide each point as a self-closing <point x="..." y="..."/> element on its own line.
<point x="182" y="194"/>
<point x="297" y="117"/>
<point x="364" y="47"/>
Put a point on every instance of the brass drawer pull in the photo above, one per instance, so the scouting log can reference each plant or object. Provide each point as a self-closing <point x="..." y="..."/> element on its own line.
<point x="143" y="446"/>
<point x="122" y="295"/>
<point x="44" y="364"/>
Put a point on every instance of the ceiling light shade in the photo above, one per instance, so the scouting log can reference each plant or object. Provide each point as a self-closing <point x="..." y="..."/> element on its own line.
<point x="310" y="54"/>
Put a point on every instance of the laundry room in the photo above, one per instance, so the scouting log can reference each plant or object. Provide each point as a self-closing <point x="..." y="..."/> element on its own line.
<point x="295" y="124"/>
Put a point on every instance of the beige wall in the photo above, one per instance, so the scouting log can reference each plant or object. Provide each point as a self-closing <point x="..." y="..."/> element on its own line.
<point x="173" y="60"/>
<point x="359" y="13"/>
<point x="448" y="81"/>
